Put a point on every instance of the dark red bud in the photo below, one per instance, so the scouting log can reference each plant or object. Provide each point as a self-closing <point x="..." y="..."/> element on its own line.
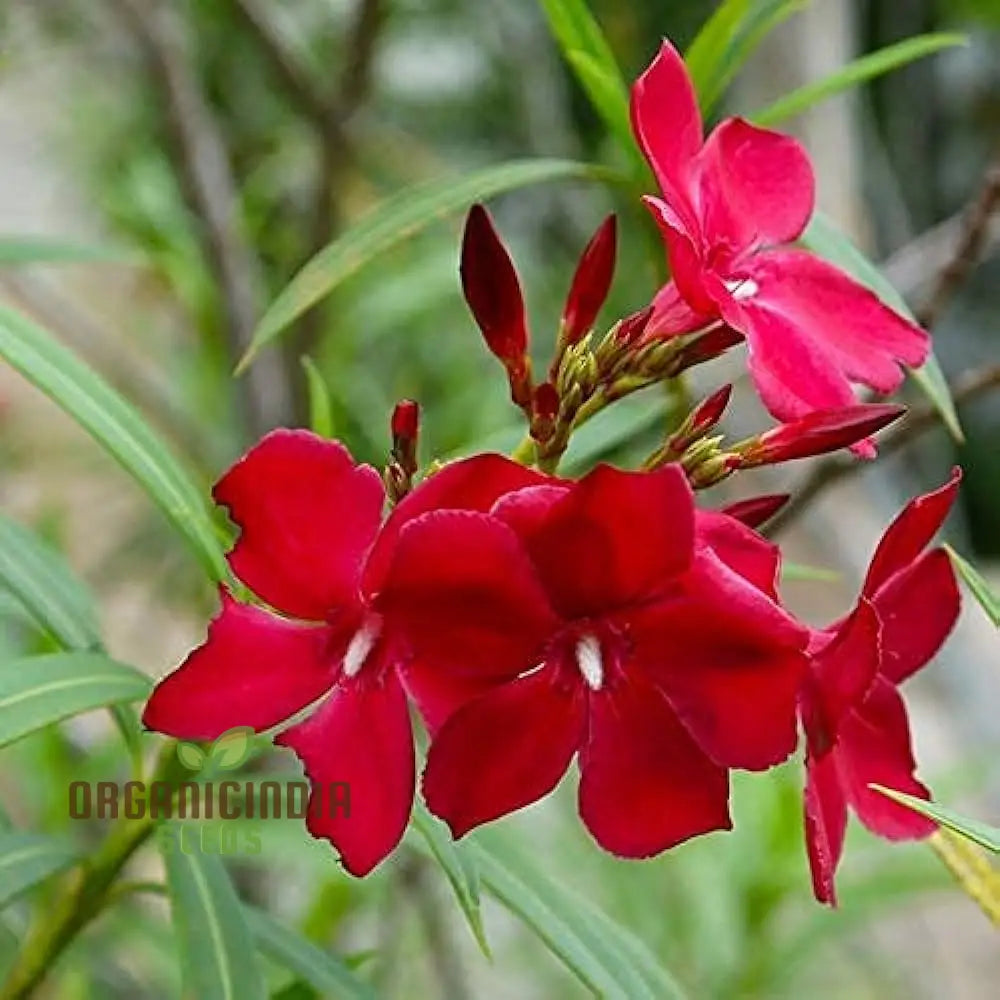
<point x="819" y="433"/>
<point x="630" y="329"/>
<point x="545" y="409"/>
<point x="591" y="282"/>
<point x="491" y="288"/>
<point x="708" y="346"/>
<point x="701" y="419"/>
<point x="406" y="420"/>
<point x="754" y="511"/>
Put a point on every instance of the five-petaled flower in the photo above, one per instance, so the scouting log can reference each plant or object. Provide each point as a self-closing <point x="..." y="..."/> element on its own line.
<point x="856" y="726"/>
<point x="594" y="619"/>
<point x="312" y="546"/>
<point x="729" y="204"/>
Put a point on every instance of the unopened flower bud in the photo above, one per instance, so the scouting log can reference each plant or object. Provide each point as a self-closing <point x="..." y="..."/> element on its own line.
<point x="706" y="347"/>
<point x="591" y="283"/>
<point x="493" y="292"/>
<point x="817" y="433"/>
<point x="544" y="411"/>
<point x="754" y="511"/>
<point x="630" y="329"/>
<point x="701" y="419"/>
<point x="405" y="426"/>
<point x="406" y="421"/>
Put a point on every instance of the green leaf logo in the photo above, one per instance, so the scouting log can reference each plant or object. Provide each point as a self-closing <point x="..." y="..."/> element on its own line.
<point x="232" y="748"/>
<point x="191" y="756"/>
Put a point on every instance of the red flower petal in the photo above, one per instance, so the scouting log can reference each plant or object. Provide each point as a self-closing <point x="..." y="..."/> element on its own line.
<point x="360" y="737"/>
<point x="918" y="608"/>
<point x="731" y="664"/>
<point x="470" y="484"/>
<point x="466" y="595"/>
<point x="439" y="694"/>
<point x="667" y="125"/>
<point x="911" y="532"/>
<point x="754" y="558"/>
<point x="254" y="669"/>
<point x="308" y="516"/>
<point x="687" y="266"/>
<point x="874" y="748"/>
<point x="615" y="538"/>
<point x="825" y="823"/>
<point x="757" y="186"/>
<point x="504" y="750"/>
<point x="645" y="785"/>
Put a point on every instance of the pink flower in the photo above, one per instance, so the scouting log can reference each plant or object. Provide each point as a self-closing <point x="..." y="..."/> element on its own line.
<point x="587" y="619"/>
<point x="313" y="547"/>
<point x="856" y="726"/>
<point x="729" y="205"/>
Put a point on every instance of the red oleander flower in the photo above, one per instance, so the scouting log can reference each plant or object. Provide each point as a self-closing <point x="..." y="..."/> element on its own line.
<point x="729" y="205"/>
<point x="589" y="618"/>
<point x="313" y="547"/>
<point x="857" y="733"/>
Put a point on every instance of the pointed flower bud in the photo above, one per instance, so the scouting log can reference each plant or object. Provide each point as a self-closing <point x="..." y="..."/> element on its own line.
<point x="406" y="420"/>
<point x="492" y="290"/>
<point x="591" y="283"/>
<point x="701" y="419"/>
<point x="754" y="511"/>
<point x="631" y="327"/>
<point x="544" y="410"/>
<point x="709" y="345"/>
<point x="817" y="433"/>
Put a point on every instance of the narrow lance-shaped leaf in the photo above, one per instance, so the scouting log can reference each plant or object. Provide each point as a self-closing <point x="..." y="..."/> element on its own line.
<point x="28" y="859"/>
<point x="824" y="239"/>
<point x="213" y="937"/>
<point x="117" y="426"/>
<point x="316" y="966"/>
<point x="393" y="221"/>
<point x="21" y="250"/>
<point x="37" y="691"/>
<point x="981" y="590"/>
<point x="979" y="833"/>
<point x="856" y="72"/>
<point x="320" y="410"/>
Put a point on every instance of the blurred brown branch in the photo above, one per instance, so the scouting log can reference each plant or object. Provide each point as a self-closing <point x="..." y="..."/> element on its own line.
<point x="965" y="388"/>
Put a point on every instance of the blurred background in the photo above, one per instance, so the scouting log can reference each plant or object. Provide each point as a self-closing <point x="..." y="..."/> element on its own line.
<point x="206" y="149"/>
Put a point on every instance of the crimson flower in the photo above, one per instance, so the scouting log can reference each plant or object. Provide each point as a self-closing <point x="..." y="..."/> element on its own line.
<point x="729" y="204"/>
<point x="857" y="733"/>
<point x="586" y="618"/>
<point x="313" y="547"/>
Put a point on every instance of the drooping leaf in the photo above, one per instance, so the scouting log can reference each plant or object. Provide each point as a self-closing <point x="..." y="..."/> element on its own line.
<point x="326" y="972"/>
<point x="824" y="239"/>
<point x="605" y="957"/>
<point x="40" y="579"/>
<point x="117" y="426"/>
<point x="28" y="859"/>
<point x="213" y="937"/>
<point x="727" y="39"/>
<point x="393" y="221"/>
<point x="458" y="867"/>
<point x="979" y="833"/>
<point x="320" y="411"/>
<point x="981" y="590"/>
<point x="856" y="72"/>
<point x="16" y="250"/>
<point x="36" y="691"/>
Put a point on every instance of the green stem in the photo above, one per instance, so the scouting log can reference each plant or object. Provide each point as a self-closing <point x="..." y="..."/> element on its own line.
<point x="82" y="896"/>
<point x="525" y="452"/>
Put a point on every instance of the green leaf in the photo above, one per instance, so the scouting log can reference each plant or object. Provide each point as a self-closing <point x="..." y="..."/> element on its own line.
<point x="394" y="220"/>
<point x="824" y="239"/>
<point x="27" y="859"/>
<point x="36" y="691"/>
<point x="39" y="577"/>
<point x="232" y="748"/>
<point x="213" y="937"/>
<point x="459" y="869"/>
<point x="727" y="39"/>
<point x="811" y="574"/>
<point x="117" y="426"/>
<point x="41" y="250"/>
<point x="981" y="590"/>
<point x="605" y="957"/>
<point x="320" y="411"/>
<point x="979" y="833"/>
<point x="854" y="73"/>
<point x="191" y="756"/>
<point x="305" y="959"/>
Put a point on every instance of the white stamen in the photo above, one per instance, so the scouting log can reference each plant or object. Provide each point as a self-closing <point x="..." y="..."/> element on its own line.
<point x="361" y="645"/>
<point x="745" y="288"/>
<point x="588" y="659"/>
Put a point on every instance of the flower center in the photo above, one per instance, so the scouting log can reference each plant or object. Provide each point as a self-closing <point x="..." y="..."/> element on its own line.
<point x="743" y="288"/>
<point x="361" y="645"/>
<point x="589" y="661"/>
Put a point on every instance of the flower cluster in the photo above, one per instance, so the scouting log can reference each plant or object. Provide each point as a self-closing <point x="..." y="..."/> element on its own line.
<point x="532" y="619"/>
